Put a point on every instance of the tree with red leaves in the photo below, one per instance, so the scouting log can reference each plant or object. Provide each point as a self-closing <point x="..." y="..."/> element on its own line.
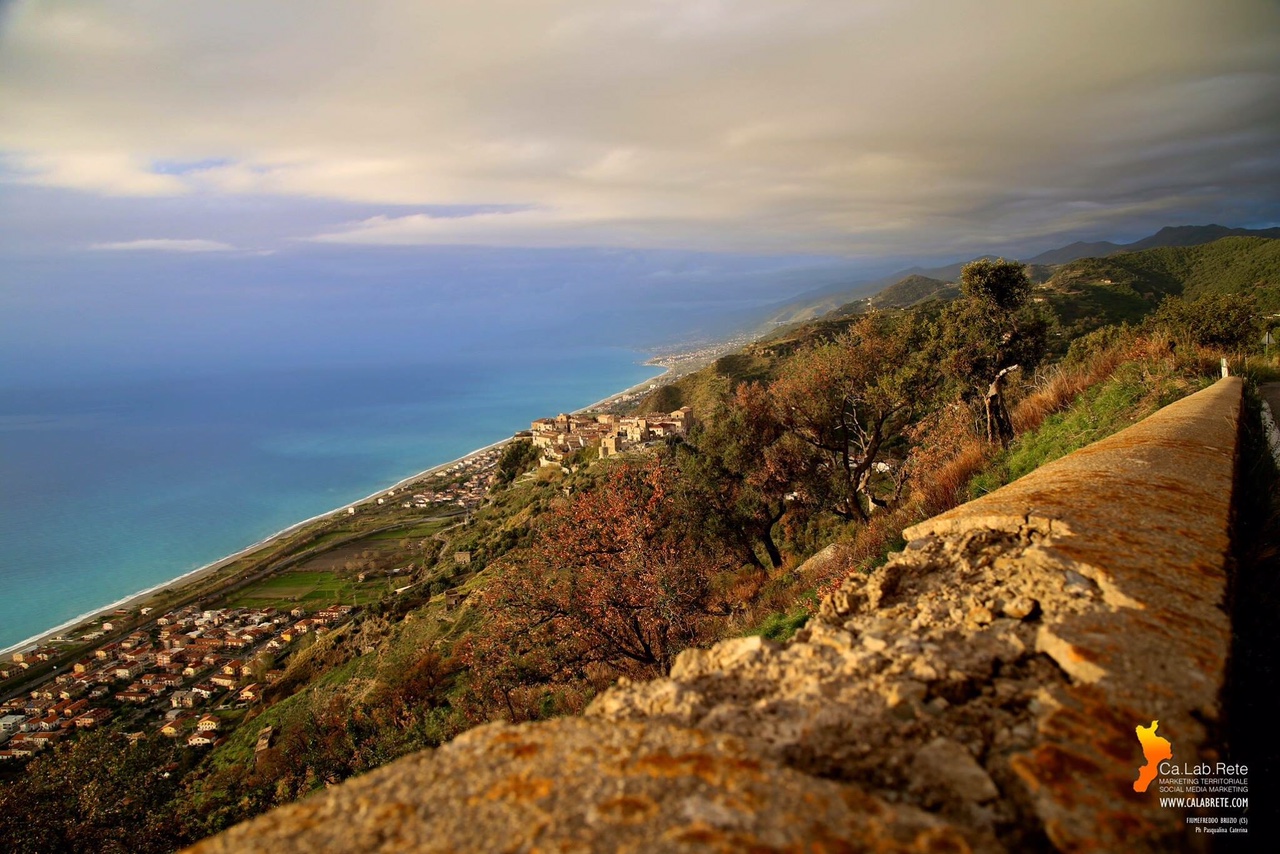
<point x="618" y="578"/>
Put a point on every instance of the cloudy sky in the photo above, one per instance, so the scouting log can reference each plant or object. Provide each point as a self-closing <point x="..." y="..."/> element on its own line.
<point x="852" y="128"/>
<point x="192" y="185"/>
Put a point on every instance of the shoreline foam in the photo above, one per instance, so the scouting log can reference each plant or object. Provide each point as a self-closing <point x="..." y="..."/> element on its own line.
<point x="136" y="599"/>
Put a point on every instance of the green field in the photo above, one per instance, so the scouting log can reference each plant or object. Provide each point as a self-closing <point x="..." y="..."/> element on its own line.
<point x="426" y="529"/>
<point x="321" y="572"/>
<point x="310" y="589"/>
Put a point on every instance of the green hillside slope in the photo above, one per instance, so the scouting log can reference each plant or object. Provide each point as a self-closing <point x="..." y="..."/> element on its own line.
<point x="1093" y="292"/>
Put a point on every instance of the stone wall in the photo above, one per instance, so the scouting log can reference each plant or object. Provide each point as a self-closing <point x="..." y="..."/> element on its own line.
<point x="980" y="691"/>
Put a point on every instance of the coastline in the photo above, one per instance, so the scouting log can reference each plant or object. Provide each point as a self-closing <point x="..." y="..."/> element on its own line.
<point x="665" y="376"/>
<point x="137" y="599"/>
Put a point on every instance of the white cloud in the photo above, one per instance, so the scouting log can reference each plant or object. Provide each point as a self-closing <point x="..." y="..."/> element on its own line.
<point x="530" y="228"/>
<point x="160" y="244"/>
<point x="108" y="172"/>
<point x="813" y="125"/>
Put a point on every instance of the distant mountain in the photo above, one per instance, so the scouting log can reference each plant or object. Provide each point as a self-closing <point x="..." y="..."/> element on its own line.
<point x="1071" y="252"/>
<point x="840" y="294"/>
<point x="1196" y="235"/>
<point x="1171" y="235"/>
<point x="909" y="291"/>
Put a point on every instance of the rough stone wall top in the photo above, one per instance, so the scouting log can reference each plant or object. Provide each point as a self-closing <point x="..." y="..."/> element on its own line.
<point x="575" y="785"/>
<point x="979" y="691"/>
<point x="995" y="671"/>
<point x="1145" y="515"/>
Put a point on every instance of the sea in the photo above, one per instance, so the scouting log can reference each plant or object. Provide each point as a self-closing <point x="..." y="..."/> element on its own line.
<point x="111" y="490"/>
<point x="157" y="415"/>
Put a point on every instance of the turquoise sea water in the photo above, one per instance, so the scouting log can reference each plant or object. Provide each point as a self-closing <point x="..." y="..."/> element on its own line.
<point x="159" y="411"/>
<point x="111" y="488"/>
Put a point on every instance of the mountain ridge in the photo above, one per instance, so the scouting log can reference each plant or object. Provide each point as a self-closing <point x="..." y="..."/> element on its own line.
<point x="820" y="301"/>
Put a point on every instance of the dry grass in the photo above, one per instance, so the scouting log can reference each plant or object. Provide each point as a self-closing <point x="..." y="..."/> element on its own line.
<point x="874" y="539"/>
<point x="1062" y="386"/>
<point x="742" y="586"/>
<point x="947" y="453"/>
<point x="945" y="487"/>
<point x="866" y="549"/>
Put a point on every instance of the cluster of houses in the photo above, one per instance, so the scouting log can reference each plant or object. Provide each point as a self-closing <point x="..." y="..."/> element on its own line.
<point x="612" y="434"/>
<point x="189" y="660"/>
<point x="468" y="482"/>
<point x="691" y="358"/>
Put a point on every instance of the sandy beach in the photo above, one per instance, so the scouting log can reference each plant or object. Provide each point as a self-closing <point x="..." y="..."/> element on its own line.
<point x="663" y="377"/>
<point x="140" y="598"/>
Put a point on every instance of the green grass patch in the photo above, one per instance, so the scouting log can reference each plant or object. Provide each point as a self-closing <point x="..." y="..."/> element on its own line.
<point x="238" y="748"/>
<point x="311" y="589"/>
<point x="781" y="625"/>
<point x="325" y="539"/>
<point x="426" y="529"/>
<point x="1131" y="395"/>
<point x="277" y="593"/>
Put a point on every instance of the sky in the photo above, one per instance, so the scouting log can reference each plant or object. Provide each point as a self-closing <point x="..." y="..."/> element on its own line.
<point x="148" y="141"/>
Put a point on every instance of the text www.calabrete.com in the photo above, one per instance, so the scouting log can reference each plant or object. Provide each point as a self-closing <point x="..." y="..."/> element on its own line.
<point x="1198" y="803"/>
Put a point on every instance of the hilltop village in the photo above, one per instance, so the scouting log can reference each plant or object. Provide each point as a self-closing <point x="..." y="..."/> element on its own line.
<point x="612" y="434"/>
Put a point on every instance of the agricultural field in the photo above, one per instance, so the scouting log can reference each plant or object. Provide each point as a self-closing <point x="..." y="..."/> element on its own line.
<point x="330" y="575"/>
<point x="310" y="589"/>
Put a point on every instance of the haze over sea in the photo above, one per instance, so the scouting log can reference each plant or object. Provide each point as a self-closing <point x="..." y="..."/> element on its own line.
<point x="187" y="407"/>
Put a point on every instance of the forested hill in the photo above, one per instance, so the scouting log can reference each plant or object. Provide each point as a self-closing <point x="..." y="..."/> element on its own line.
<point x="1094" y="292"/>
<point x="1079" y="297"/>
<point x="885" y="292"/>
<point x="912" y="290"/>
<point x="1171" y="235"/>
<point x="1233" y="265"/>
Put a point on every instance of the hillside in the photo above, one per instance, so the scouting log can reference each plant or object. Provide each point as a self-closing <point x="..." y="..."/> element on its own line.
<point x="1194" y="235"/>
<point x="849" y="296"/>
<point x="1229" y="265"/>
<point x="757" y="362"/>
<point x="909" y="291"/>
<point x="1094" y="292"/>
<point x="703" y="389"/>
<point x="1082" y="296"/>
<point x="1087" y="293"/>
<point x="1174" y="235"/>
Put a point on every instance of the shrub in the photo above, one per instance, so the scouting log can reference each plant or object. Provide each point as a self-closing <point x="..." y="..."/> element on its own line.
<point x="1223" y="321"/>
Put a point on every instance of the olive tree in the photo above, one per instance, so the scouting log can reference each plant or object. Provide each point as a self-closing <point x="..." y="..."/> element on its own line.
<point x="991" y="331"/>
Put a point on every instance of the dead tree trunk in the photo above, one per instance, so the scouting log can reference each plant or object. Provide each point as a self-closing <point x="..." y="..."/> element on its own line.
<point x="999" y="425"/>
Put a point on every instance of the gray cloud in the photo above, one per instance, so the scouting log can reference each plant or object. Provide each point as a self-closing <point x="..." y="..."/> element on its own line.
<point x="856" y="128"/>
